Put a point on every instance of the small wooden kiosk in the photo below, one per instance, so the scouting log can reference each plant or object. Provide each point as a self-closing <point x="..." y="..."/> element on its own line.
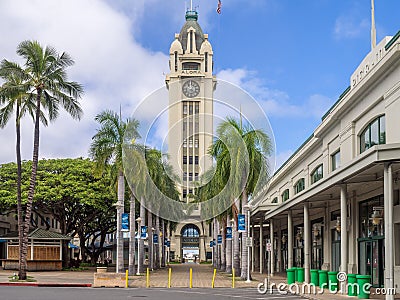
<point x="44" y="250"/>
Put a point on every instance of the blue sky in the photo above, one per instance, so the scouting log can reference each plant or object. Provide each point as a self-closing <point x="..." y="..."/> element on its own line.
<point x="294" y="56"/>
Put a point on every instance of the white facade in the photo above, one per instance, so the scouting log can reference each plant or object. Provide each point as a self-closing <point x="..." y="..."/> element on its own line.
<point x="351" y="159"/>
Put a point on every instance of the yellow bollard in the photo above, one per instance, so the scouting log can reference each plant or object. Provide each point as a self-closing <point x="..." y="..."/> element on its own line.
<point x="191" y="278"/>
<point x="213" y="279"/>
<point x="126" y="279"/>
<point x="233" y="278"/>
<point x="148" y="278"/>
<point x="169" y="278"/>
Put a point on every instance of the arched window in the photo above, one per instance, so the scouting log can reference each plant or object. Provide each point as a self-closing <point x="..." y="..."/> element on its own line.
<point x="317" y="174"/>
<point x="373" y="134"/>
<point x="206" y="62"/>
<point x="299" y="186"/>
<point x="190" y="230"/>
<point x="176" y="61"/>
<point x="285" y="195"/>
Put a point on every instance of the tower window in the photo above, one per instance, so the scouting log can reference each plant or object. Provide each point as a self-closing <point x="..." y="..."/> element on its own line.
<point x="191" y="109"/>
<point x="184" y="159"/>
<point x="185" y="110"/>
<point x="190" y="160"/>
<point x="190" y="143"/>
<point x="196" y="160"/>
<point x="191" y="40"/>
<point x="196" y="108"/>
<point x="184" y="143"/>
<point x="176" y="61"/>
<point x="196" y="143"/>
<point x="184" y="193"/>
<point x="190" y="66"/>
<point x="206" y="62"/>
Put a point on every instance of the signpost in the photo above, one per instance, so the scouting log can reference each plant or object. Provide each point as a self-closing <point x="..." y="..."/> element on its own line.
<point x="219" y="239"/>
<point x="249" y="242"/>
<point x="143" y="232"/>
<point x="125" y="222"/>
<point x="241" y="223"/>
<point x="228" y="233"/>
<point x="155" y="238"/>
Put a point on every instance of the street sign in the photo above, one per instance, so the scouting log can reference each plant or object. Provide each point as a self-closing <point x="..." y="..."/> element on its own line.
<point x="168" y="244"/>
<point x="228" y="233"/>
<point x="219" y="239"/>
<point x="125" y="222"/>
<point x="268" y="247"/>
<point x="241" y="223"/>
<point x="211" y="244"/>
<point x="155" y="238"/>
<point x="143" y="232"/>
<point x="249" y="242"/>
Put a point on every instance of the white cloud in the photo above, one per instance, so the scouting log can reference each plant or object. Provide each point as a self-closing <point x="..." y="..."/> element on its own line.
<point x="347" y="27"/>
<point x="275" y="102"/>
<point x="112" y="66"/>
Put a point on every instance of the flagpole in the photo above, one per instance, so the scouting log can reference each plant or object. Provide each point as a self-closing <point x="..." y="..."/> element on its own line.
<point x="373" y="29"/>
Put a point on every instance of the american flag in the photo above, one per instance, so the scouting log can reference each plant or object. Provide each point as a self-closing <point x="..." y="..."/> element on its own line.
<point x="219" y="7"/>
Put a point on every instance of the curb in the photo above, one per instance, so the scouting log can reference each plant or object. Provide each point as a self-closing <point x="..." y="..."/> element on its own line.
<point x="43" y="284"/>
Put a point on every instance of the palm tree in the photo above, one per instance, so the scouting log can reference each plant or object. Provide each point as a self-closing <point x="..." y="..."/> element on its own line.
<point x="106" y="148"/>
<point x="13" y="92"/>
<point x="44" y="75"/>
<point x="248" y="166"/>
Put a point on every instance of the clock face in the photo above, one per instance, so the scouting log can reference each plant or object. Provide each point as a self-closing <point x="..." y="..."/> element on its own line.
<point x="190" y="88"/>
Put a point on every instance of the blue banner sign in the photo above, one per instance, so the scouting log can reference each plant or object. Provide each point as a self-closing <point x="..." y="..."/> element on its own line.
<point x="219" y="239"/>
<point x="211" y="244"/>
<point x="125" y="222"/>
<point x="228" y="233"/>
<point x="143" y="232"/>
<point x="155" y="238"/>
<point x="241" y="223"/>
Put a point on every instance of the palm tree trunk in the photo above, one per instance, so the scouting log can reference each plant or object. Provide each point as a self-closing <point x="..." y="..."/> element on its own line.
<point x="157" y="247"/>
<point x="22" y="267"/>
<point x="162" y="241"/>
<point x="215" y="248"/>
<point x="120" y="210"/>
<point x="141" y="241"/>
<point x="132" y="225"/>
<point x="228" y="247"/>
<point x="236" y="246"/>
<point x="32" y="183"/>
<point x="245" y="249"/>
<point x="150" y="238"/>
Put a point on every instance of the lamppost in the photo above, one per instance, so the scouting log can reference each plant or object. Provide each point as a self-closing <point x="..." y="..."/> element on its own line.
<point x="232" y="224"/>
<point x="248" y="208"/>
<point x="138" y="220"/>
<point x="119" y="206"/>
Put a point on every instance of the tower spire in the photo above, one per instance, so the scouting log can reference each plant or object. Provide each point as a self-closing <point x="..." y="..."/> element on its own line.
<point x="373" y="29"/>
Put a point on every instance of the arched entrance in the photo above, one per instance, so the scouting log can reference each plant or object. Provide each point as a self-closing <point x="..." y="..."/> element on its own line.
<point x="190" y="243"/>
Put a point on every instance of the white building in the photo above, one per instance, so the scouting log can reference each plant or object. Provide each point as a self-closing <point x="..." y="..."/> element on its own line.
<point x="335" y="204"/>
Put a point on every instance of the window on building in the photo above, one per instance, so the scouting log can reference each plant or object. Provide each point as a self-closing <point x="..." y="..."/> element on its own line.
<point x="184" y="159"/>
<point x="275" y="200"/>
<point x="190" y="176"/>
<point x="373" y="134"/>
<point x="335" y="158"/>
<point x="196" y="108"/>
<point x="184" y="176"/>
<point x="196" y="143"/>
<point x="185" y="108"/>
<point x="176" y="61"/>
<point x="191" y="109"/>
<point x="184" y="193"/>
<point x="285" y="195"/>
<point x="184" y="143"/>
<point x="196" y="160"/>
<point x="190" y="160"/>
<point x="299" y="186"/>
<point x="206" y="62"/>
<point x="317" y="174"/>
<point x="191" y="66"/>
<point x="190" y="143"/>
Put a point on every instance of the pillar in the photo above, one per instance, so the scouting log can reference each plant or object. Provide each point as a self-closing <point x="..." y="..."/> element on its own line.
<point x="261" y="247"/>
<point x="253" y="261"/>
<point x="272" y="258"/>
<point x="279" y="250"/>
<point x="290" y="240"/>
<point x="389" y="237"/>
<point x="307" y="244"/>
<point x="343" y="228"/>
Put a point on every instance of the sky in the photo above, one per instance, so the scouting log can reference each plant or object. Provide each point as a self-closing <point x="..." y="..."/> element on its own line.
<point x="294" y="57"/>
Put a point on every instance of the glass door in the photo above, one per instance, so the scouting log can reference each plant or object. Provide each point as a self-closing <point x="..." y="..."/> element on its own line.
<point x="371" y="259"/>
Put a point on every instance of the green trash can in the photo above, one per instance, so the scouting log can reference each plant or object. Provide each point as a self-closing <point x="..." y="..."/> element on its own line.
<point x="333" y="281"/>
<point x="314" y="277"/>
<point x="296" y="274"/>
<point x="323" y="278"/>
<point x="364" y="285"/>
<point x="352" y="285"/>
<point x="300" y="274"/>
<point x="291" y="275"/>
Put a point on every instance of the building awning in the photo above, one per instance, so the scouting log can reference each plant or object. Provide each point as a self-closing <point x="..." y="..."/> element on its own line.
<point x="3" y="241"/>
<point x="37" y="234"/>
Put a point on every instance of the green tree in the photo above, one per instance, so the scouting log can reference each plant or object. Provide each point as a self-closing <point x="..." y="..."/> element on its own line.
<point x="106" y="149"/>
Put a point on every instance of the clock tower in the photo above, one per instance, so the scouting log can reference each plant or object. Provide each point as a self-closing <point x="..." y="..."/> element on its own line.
<point x="190" y="85"/>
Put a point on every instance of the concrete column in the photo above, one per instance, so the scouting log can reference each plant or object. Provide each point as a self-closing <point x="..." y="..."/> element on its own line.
<point x="261" y="247"/>
<point x="389" y="237"/>
<point x="272" y="259"/>
<point x="353" y="234"/>
<point x="343" y="228"/>
<point x="307" y="244"/>
<point x="253" y="261"/>
<point x="290" y="240"/>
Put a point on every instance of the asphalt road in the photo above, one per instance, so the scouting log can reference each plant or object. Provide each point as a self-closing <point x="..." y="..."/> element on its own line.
<point x="47" y="293"/>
